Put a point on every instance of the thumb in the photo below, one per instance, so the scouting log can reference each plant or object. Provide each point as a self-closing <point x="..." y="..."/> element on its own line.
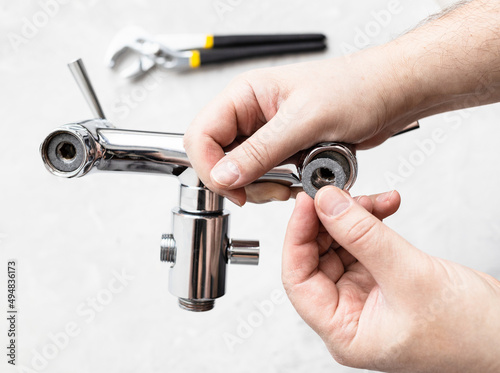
<point x="384" y="253"/>
<point x="266" y="148"/>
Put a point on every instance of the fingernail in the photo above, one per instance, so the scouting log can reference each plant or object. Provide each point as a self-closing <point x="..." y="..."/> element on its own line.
<point x="225" y="173"/>
<point x="332" y="201"/>
<point x="384" y="197"/>
<point x="234" y="200"/>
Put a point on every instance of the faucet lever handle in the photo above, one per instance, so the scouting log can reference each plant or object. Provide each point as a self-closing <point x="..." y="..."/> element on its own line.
<point x="79" y="72"/>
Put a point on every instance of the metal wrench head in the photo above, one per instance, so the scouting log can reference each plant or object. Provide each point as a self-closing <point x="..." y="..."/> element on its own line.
<point x="138" y="55"/>
<point x="143" y="53"/>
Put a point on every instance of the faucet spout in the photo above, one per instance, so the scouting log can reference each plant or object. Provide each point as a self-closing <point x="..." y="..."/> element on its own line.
<point x="75" y="149"/>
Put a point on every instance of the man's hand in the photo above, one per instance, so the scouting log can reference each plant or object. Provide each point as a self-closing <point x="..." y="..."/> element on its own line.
<point x="266" y="116"/>
<point x="378" y="302"/>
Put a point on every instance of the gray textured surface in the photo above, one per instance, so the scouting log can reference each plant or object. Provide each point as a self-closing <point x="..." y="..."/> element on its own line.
<point x="67" y="252"/>
<point x="57" y="159"/>
<point x="340" y="177"/>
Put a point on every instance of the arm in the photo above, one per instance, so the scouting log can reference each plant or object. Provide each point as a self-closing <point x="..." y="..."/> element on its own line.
<point x="267" y="115"/>
<point x="450" y="63"/>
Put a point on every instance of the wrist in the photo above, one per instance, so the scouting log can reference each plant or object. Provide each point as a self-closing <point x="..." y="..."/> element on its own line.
<point x="400" y="88"/>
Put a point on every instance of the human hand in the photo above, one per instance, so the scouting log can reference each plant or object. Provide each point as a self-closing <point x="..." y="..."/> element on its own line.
<point x="378" y="302"/>
<point x="265" y="116"/>
<point x="446" y="64"/>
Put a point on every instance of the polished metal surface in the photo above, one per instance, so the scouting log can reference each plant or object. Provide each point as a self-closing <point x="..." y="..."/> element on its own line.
<point x="80" y="74"/>
<point x="87" y="151"/>
<point x="199" y="249"/>
<point x="199" y="271"/>
<point x="143" y="53"/>
<point x="140" y="151"/>
<point x="112" y="149"/>
<point x="196" y="305"/>
<point x="168" y="249"/>
<point x="198" y="199"/>
<point x="243" y="252"/>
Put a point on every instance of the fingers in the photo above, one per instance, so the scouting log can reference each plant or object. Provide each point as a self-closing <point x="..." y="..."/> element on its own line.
<point x="346" y="257"/>
<point x="383" y="205"/>
<point x="366" y="202"/>
<point x="217" y="126"/>
<point x="384" y="253"/>
<point x="263" y="150"/>
<point x="267" y="192"/>
<point x="247" y="110"/>
<point x="300" y="252"/>
<point x="295" y="191"/>
<point x="311" y="291"/>
<point x="331" y="265"/>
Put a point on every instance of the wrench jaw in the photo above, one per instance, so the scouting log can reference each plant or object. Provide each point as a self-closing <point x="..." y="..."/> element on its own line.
<point x="123" y="44"/>
<point x="134" y="52"/>
<point x="143" y="53"/>
<point x="136" y="67"/>
<point x="131" y="61"/>
<point x="130" y="53"/>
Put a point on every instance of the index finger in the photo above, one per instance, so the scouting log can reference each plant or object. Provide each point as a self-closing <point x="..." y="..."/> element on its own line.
<point x="233" y="112"/>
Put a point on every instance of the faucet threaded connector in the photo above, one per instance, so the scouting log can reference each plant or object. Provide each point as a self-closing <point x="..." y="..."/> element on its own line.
<point x="168" y="249"/>
<point x="196" y="305"/>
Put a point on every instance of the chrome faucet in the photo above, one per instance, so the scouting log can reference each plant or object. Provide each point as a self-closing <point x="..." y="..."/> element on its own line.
<point x="198" y="249"/>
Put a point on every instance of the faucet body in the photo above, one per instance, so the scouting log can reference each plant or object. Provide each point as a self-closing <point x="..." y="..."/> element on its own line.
<point x="199" y="248"/>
